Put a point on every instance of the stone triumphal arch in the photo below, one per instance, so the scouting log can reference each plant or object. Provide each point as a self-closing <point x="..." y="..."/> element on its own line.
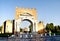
<point x="26" y="14"/>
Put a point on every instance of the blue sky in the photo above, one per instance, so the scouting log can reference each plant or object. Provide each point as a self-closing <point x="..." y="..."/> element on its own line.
<point x="48" y="11"/>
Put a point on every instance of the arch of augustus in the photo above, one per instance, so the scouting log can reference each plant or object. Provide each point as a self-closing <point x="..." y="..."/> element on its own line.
<point x="23" y="14"/>
<point x="26" y="14"/>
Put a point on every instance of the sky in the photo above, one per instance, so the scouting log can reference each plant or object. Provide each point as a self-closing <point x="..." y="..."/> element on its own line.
<point x="48" y="11"/>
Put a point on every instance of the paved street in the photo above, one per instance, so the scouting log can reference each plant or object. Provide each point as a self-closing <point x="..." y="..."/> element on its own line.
<point x="29" y="37"/>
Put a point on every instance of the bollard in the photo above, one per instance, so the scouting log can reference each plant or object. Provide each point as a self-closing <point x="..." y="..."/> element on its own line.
<point x="45" y="34"/>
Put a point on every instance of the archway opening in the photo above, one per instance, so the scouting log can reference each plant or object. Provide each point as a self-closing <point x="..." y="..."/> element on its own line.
<point x="26" y="26"/>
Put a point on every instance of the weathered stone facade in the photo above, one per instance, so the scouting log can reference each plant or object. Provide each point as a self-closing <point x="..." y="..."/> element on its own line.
<point x="23" y="14"/>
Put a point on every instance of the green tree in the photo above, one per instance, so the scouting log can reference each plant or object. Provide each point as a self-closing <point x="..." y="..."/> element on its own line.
<point x="53" y="29"/>
<point x="0" y="28"/>
<point x="57" y="30"/>
<point x="21" y="29"/>
<point x="58" y="27"/>
<point x="30" y="28"/>
<point x="49" y="27"/>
